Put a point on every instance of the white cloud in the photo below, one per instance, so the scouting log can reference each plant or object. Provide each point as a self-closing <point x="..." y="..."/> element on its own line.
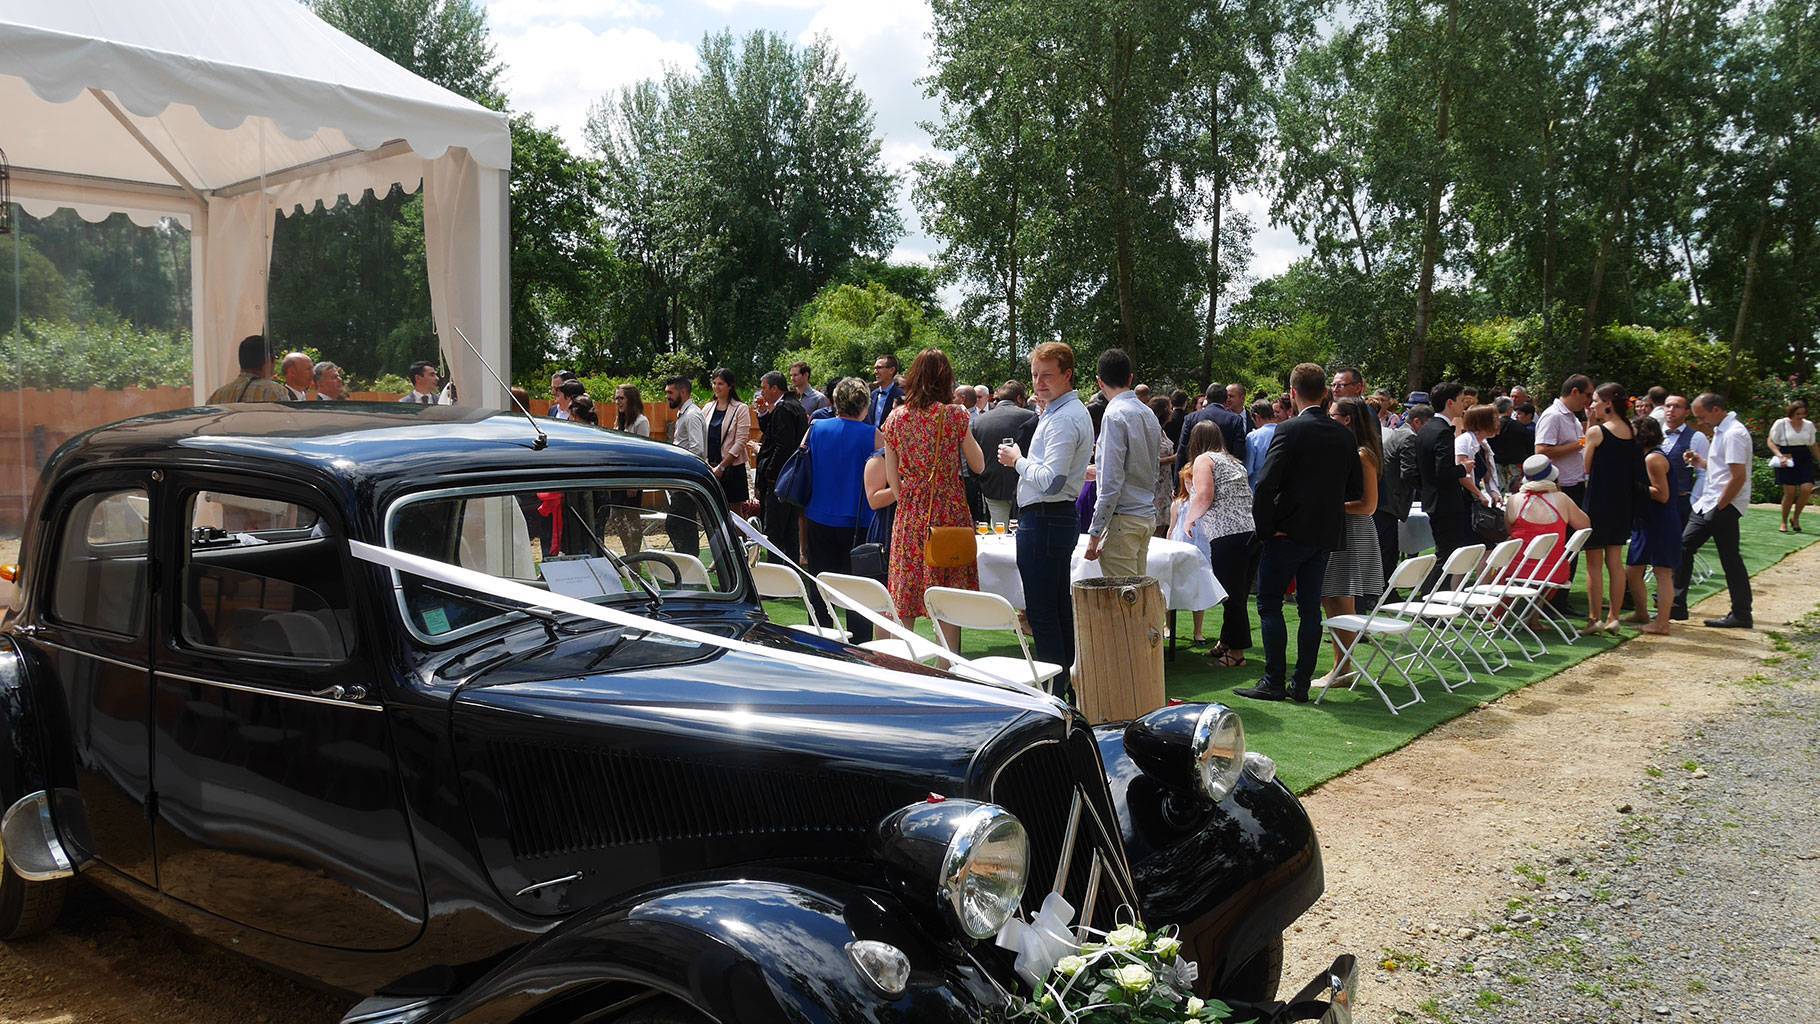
<point x="1273" y="248"/>
<point x="514" y="13"/>
<point x="557" y="70"/>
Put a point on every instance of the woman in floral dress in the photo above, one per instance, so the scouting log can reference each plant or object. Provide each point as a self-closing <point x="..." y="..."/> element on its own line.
<point x="925" y="440"/>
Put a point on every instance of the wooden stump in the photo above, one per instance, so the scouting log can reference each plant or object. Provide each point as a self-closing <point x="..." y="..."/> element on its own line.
<point x="1118" y="639"/>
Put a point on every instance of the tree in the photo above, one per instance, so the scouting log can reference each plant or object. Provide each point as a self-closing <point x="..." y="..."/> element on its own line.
<point x="739" y="191"/>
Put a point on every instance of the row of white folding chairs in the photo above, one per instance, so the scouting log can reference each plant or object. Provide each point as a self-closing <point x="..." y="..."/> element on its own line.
<point x="1478" y="601"/>
<point x="963" y="609"/>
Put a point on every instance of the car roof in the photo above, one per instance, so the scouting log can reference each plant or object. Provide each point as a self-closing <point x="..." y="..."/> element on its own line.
<point x="374" y="448"/>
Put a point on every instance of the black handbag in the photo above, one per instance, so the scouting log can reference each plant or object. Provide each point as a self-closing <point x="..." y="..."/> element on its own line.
<point x="1488" y="522"/>
<point x="869" y="560"/>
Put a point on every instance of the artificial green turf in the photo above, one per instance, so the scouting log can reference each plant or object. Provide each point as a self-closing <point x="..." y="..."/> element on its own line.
<point x="1313" y="743"/>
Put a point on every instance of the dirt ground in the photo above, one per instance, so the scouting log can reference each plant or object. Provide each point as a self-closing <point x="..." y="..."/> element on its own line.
<point x="1421" y="846"/>
<point x="1417" y="844"/>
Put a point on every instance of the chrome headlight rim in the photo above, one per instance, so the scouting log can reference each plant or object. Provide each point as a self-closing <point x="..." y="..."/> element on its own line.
<point x="975" y="832"/>
<point x="1218" y="749"/>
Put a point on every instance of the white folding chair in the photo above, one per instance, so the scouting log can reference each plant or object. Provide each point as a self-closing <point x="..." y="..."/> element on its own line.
<point x="782" y="583"/>
<point x="1388" y="636"/>
<point x="872" y="594"/>
<point x="972" y="609"/>
<point x="1439" y="620"/>
<point x="1483" y="610"/>
<point x="694" y="570"/>
<point x="1520" y="595"/>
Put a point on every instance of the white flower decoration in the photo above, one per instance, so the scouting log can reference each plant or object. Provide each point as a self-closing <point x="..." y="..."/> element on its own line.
<point x="1133" y="978"/>
<point x="1195" y="1005"/>
<point x="1128" y="937"/>
<point x="1166" y="948"/>
<point x="1069" y="966"/>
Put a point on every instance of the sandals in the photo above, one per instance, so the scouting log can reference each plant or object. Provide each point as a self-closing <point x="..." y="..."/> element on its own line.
<point x="1226" y="657"/>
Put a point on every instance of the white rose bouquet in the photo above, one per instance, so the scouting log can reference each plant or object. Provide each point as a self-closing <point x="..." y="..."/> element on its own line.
<point x="1131" y="976"/>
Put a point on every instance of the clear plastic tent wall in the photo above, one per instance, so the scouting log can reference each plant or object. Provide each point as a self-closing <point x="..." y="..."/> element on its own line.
<point x="227" y="115"/>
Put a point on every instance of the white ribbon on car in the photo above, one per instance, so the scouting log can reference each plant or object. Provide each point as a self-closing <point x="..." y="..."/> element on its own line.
<point x="1008" y="695"/>
<point x="1042" y="942"/>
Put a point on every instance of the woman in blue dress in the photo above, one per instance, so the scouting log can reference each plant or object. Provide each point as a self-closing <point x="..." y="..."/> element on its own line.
<point x="1655" y="538"/>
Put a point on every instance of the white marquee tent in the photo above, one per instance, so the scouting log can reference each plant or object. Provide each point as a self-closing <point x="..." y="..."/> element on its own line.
<point x="226" y="115"/>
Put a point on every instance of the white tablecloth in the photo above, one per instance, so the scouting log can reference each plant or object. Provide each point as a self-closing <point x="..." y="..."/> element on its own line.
<point x="1188" y="583"/>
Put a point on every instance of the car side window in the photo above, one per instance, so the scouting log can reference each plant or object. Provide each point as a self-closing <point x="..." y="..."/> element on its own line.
<point x="263" y="577"/>
<point x="100" y="569"/>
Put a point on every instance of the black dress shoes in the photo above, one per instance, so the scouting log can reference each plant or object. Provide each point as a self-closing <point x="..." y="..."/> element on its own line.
<point x="1729" y="622"/>
<point x="1265" y="690"/>
<point x="1678" y="615"/>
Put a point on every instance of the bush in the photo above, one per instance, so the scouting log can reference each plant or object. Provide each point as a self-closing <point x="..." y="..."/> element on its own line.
<point x="844" y="327"/>
<point x="386" y="383"/>
<point x="677" y="364"/>
<point x="1763" y="486"/>
<point x="110" y="355"/>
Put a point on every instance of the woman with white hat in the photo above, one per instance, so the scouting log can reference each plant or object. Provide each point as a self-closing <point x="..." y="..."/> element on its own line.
<point x="1540" y="507"/>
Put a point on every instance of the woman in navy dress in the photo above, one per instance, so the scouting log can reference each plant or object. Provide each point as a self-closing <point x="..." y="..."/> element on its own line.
<point x="1655" y="541"/>
<point x="1614" y="471"/>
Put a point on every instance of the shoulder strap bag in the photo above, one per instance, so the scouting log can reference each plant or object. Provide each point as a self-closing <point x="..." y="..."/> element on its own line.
<point x="796" y="481"/>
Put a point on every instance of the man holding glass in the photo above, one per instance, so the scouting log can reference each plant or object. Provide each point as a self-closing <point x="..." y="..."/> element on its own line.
<point x="1049" y="481"/>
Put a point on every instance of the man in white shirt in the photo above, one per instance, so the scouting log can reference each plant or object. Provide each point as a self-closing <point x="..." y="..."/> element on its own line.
<point x="688" y="431"/>
<point x="1049" y="481"/>
<point x="1718" y="509"/>
<point x="1561" y="436"/>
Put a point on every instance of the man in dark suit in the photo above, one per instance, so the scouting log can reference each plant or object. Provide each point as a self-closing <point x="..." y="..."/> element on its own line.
<point x="1006" y="419"/>
<point x="1300" y="511"/>
<point x="782" y="420"/>
<point x="1231" y="424"/>
<point x="1398" y="481"/>
<point x="1443" y="497"/>
<point x="887" y="393"/>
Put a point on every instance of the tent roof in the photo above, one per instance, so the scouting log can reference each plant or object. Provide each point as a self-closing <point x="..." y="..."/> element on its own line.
<point x="197" y="97"/>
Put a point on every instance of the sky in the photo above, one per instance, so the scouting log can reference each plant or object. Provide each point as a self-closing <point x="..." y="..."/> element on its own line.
<point x="563" y="55"/>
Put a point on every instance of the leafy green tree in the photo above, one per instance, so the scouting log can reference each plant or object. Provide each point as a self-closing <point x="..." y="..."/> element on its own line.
<point x="845" y="326"/>
<point x="737" y="192"/>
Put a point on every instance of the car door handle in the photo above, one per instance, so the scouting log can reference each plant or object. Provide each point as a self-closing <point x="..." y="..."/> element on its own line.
<point x="355" y="692"/>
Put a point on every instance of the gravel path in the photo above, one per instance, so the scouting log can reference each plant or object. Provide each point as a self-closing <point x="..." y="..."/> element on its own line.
<point x="1699" y="901"/>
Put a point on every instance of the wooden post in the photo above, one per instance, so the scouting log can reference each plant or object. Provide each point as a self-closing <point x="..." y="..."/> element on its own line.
<point x="1118" y="638"/>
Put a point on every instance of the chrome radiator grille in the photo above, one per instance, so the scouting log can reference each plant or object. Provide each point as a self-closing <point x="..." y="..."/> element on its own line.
<point x="1057" y="789"/>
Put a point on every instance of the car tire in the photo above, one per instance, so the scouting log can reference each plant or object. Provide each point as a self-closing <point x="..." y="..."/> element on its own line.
<point x="1256" y="979"/>
<point x="27" y="908"/>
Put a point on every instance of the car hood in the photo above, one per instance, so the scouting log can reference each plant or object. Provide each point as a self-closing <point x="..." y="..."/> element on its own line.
<point x="610" y="755"/>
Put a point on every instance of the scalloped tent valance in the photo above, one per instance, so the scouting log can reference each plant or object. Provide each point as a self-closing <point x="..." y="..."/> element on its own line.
<point x="224" y="115"/>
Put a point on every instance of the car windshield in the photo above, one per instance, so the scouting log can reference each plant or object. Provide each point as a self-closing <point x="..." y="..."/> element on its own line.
<point x="585" y="539"/>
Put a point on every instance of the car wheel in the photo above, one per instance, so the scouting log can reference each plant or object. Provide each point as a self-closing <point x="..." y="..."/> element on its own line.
<point x="27" y="908"/>
<point x="1256" y="979"/>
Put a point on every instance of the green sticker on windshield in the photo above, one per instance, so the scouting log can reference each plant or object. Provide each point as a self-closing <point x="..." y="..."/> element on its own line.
<point x="435" y="621"/>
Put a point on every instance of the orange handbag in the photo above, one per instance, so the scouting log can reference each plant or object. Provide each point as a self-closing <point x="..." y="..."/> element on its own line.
<point x="947" y="547"/>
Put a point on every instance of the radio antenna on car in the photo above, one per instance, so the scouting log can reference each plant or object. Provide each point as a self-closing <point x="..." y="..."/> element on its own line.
<point x="543" y="439"/>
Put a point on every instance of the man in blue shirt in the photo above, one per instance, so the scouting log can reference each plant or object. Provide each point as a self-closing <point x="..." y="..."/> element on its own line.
<point x="1257" y="443"/>
<point x="1049" y="481"/>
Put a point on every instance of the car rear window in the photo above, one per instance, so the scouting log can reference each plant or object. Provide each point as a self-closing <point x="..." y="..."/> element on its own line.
<point x="100" y="569"/>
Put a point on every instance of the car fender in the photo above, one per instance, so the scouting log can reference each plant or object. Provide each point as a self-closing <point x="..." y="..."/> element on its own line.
<point x="22" y="767"/>
<point x="1231" y="876"/>
<point x="769" y="950"/>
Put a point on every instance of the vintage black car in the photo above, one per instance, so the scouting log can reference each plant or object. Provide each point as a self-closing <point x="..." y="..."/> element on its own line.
<point x="462" y="806"/>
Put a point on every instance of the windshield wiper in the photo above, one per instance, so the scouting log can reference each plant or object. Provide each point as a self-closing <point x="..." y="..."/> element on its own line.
<point x="653" y="599"/>
<point x="552" y="624"/>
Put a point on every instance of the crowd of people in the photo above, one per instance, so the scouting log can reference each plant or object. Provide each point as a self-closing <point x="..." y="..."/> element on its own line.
<point x="302" y="379"/>
<point x="1306" y="493"/>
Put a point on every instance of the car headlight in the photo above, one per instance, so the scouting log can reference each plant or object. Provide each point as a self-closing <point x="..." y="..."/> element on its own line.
<point x="972" y="857"/>
<point x="1190" y="746"/>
